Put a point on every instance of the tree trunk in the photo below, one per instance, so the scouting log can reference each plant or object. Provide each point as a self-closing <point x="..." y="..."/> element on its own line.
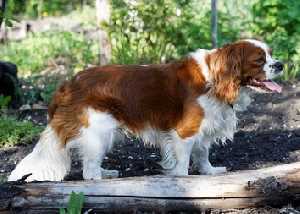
<point x="103" y="16"/>
<point x="214" y="23"/>
<point x="2" y="9"/>
<point x="275" y="186"/>
<point x="3" y="33"/>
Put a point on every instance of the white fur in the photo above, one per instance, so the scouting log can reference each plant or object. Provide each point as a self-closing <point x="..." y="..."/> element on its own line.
<point x="161" y="139"/>
<point x="199" y="56"/>
<point x="219" y="122"/>
<point x="268" y="67"/>
<point x="219" y="118"/>
<point x="243" y="100"/>
<point x="200" y="157"/>
<point x="49" y="160"/>
<point x="95" y="141"/>
<point x="182" y="152"/>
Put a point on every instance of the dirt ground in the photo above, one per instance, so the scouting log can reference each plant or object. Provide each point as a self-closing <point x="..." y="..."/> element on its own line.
<point x="269" y="134"/>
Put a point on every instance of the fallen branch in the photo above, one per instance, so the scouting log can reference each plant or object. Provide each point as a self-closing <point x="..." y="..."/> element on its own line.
<point x="274" y="186"/>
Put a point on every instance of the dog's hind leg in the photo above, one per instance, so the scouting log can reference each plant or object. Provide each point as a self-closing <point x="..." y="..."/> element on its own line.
<point x="96" y="140"/>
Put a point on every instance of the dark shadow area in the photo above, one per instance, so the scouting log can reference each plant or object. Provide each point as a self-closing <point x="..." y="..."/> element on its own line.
<point x="253" y="150"/>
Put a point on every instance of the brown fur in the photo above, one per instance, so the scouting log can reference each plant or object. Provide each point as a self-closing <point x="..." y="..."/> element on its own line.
<point x="232" y="66"/>
<point x="161" y="96"/>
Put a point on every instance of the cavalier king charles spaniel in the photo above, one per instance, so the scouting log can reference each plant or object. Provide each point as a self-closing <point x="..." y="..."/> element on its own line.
<point x="181" y="107"/>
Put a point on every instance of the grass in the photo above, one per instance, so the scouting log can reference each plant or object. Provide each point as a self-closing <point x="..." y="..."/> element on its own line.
<point x="14" y="132"/>
<point x="38" y="50"/>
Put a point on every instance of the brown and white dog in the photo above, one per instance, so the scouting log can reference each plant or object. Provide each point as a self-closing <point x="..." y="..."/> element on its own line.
<point x="181" y="107"/>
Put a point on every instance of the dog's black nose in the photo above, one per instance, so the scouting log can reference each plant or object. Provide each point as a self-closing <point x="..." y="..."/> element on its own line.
<point x="278" y="66"/>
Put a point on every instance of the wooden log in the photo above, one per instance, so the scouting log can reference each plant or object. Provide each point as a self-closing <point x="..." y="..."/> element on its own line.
<point x="274" y="186"/>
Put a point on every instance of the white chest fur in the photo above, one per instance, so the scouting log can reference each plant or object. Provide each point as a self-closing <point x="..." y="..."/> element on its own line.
<point x="219" y="121"/>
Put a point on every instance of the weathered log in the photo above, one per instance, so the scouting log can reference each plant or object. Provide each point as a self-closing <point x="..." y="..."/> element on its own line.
<point x="274" y="186"/>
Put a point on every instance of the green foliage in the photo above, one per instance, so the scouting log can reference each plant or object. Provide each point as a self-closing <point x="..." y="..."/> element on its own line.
<point x="144" y="31"/>
<point x="38" y="51"/>
<point x="42" y="8"/>
<point x="48" y="91"/>
<point x="154" y="31"/>
<point x="6" y="15"/>
<point x="75" y="204"/>
<point x="4" y="102"/>
<point x="13" y="132"/>
<point x="40" y="87"/>
<point x="278" y="22"/>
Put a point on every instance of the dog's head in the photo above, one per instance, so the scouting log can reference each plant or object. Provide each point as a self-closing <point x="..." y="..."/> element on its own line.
<point x="244" y="63"/>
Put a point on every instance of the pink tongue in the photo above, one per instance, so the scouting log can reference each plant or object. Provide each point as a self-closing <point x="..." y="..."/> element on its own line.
<point x="273" y="86"/>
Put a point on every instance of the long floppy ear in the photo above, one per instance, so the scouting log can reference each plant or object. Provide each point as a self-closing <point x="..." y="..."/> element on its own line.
<point x="226" y="65"/>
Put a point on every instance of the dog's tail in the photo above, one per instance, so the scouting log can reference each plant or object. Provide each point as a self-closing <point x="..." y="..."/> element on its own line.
<point x="49" y="160"/>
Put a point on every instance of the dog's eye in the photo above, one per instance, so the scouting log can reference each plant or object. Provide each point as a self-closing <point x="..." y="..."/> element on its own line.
<point x="260" y="61"/>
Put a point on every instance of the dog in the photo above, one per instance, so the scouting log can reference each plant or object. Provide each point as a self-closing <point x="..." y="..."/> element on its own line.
<point x="181" y="106"/>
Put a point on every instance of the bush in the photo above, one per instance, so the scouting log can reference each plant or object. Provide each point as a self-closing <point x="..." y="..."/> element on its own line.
<point x="13" y="132"/>
<point x="154" y="31"/>
<point x="38" y="88"/>
<point x="278" y="22"/>
<point x="36" y="52"/>
<point x="4" y="102"/>
<point x="40" y="8"/>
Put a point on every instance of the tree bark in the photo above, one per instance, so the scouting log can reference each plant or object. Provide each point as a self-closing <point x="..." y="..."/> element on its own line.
<point x="214" y="23"/>
<point x="274" y="186"/>
<point x="103" y="16"/>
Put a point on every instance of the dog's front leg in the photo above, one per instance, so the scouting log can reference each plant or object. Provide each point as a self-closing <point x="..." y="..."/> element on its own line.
<point x="182" y="151"/>
<point x="200" y="158"/>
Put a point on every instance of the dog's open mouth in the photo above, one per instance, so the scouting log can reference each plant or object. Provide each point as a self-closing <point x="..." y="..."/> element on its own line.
<point x="267" y="85"/>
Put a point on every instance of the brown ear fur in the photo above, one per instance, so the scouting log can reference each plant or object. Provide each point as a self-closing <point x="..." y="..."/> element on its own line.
<point x="226" y="65"/>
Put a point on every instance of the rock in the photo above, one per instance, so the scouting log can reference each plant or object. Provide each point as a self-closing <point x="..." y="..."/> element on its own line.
<point x="25" y="107"/>
<point x="39" y="106"/>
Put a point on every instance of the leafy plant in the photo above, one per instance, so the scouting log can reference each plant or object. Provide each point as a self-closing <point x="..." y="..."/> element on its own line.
<point x="13" y="132"/>
<point x="75" y="204"/>
<point x="40" y="50"/>
<point x="155" y="31"/>
<point x="41" y="8"/>
<point x="4" y="101"/>
<point x="48" y="91"/>
<point x="278" y="21"/>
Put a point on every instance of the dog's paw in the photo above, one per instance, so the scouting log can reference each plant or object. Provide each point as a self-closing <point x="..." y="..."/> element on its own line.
<point x="175" y="172"/>
<point x="109" y="173"/>
<point x="168" y="163"/>
<point x="92" y="175"/>
<point x="213" y="171"/>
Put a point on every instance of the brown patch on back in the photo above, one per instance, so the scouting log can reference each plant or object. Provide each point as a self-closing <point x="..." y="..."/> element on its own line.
<point x="137" y="96"/>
